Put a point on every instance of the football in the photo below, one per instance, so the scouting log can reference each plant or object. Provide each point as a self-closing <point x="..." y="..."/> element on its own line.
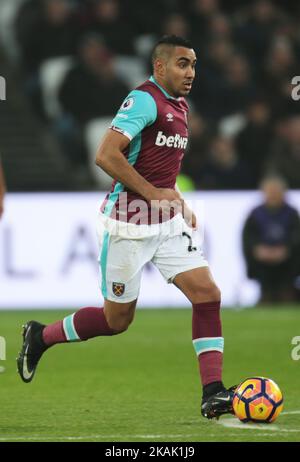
<point x="257" y="399"/>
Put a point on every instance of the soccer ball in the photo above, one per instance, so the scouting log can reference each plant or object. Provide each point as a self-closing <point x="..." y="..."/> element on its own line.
<point x="257" y="399"/>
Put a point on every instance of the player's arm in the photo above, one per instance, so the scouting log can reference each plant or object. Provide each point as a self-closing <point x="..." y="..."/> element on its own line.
<point x="2" y="189"/>
<point x="111" y="159"/>
<point x="137" y="111"/>
<point x="188" y="213"/>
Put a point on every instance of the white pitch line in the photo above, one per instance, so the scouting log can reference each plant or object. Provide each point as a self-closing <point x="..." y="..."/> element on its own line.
<point x="115" y="438"/>
<point x="230" y="422"/>
<point x="92" y="437"/>
<point x="290" y="412"/>
<point x="233" y="422"/>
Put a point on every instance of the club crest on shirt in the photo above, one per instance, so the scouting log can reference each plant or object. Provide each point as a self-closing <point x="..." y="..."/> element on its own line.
<point x="128" y="103"/>
<point x="170" y="117"/>
<point x="118" y="288"/>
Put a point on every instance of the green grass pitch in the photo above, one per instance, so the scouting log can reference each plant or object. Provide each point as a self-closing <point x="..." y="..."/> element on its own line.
<point x="143" y="385"/>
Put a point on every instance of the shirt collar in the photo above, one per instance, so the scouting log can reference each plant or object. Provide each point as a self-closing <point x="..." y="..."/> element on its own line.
<point x="152" y="79"/>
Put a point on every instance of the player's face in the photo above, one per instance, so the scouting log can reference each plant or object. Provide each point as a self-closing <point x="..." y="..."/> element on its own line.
<point x="180" y="71"/>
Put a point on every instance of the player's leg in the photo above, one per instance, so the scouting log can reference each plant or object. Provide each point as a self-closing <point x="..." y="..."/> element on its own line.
<point x="199" y="287"/>
<point x="119" y="316"/>
<point x="90" y="322"/>
<point x="121" y="262"/>
<point x="185" y="266"/>
<point x="119" y="284"/>
<point x="82" y="325"/>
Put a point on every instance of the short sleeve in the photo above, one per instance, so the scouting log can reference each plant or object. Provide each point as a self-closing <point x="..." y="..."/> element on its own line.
<point x="137" y="112"/>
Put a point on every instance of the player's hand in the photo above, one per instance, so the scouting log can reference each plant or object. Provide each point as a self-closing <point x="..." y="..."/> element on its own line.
<point x="167" y="194"/>
<point x="166" y="199"/>
<point x="1" y="208"/>
<point x="189" y="217"/>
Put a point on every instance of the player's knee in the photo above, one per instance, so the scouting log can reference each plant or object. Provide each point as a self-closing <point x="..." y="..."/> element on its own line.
<point x="118" y="326"/>
<point x="119" y="323"/>
<point x="208" y="292"/>
<point x="119" y="316"/>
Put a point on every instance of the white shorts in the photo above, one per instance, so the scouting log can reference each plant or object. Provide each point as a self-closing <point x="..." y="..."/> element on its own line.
<point x="172" y="249"/>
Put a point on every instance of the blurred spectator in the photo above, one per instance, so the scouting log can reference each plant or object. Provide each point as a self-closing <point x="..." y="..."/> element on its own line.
<point x="244" y="49"/>
<point x="175" y="24"/>
<point x="281" y="65"/>
<point x="145" y="17"/>
<point x="240" y="89"/>
<point x="30" y="13"/>
<point x="223" y="169"/>
<point x="284" y="158"/>
<point x="196" y="155"/>
<point x="253" y="141"/>
<point x="271" y="244"/>
<point x="257" y="23"/>
<point x="283" y="105"/>
<point x="220" y="28"/>
<point x="45" y="29"/>
<point x="210" y="81"/>
<point x="107" y="20"/>
<point x="2" y="189"/>
<point x="51" y="31"/>
<point x="90" y="90"/>
<point x="201" y="12"/>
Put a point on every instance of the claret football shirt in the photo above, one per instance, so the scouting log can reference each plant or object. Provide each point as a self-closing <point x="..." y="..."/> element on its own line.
<point x="156" y="125"/>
